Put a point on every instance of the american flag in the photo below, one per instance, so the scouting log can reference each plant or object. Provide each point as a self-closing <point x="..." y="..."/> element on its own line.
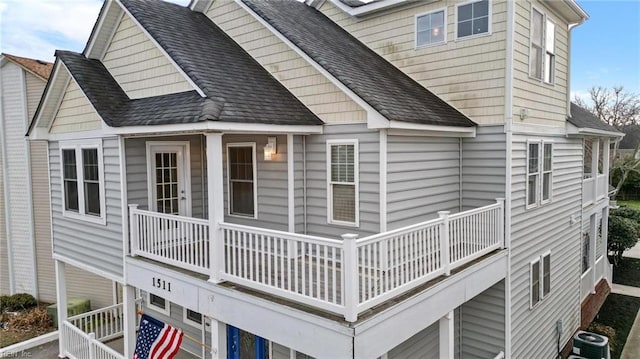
<point x="156" y="340"/>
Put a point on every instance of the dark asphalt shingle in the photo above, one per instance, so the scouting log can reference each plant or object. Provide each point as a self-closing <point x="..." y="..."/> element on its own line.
<point x="383" y="86"/>
<point x="219" y="66"/>
<point x="582" y="118"/>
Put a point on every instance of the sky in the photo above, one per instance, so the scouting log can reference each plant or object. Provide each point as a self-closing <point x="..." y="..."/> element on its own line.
<point x="605" y="49"/>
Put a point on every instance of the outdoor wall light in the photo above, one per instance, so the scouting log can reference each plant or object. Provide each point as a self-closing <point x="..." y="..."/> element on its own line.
<point x="270" y="148"/>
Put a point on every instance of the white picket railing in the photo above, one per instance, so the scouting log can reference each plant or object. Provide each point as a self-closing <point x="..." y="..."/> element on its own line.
<point x="344" y="276"/>
<point x="106" y="323"/>
<point x="176" y="240"/>
<point x="80" y="345"/>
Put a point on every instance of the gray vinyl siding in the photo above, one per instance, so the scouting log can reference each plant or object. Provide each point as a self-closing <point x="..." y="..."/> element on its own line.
<point x="137" y="189"/>
<point x="95" y="245"/>
<point x="482" y="324"/>
<point x="423" y="177"/>
<point x="483" y="167"/>
<point x="176" y="320"/>
<point x="369" y="187"/>
<point x="271" y="182"/>
<point x="537" y="230"/>
<point x="424" y="345"/>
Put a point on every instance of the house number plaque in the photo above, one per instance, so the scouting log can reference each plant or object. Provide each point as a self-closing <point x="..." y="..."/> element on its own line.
<point x="161" y="284"/>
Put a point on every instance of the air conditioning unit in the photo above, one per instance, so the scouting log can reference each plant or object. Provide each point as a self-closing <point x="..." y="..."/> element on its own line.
<point x="590" y="345"/>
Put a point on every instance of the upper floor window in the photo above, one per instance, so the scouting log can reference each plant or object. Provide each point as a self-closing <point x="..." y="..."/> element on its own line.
<point x="431" y="28"/>
<point x="241" y="162"/>
<point x="542" y="57"/>
<point x="342" y="169"/>
<point x="539" y="177"/>
<point x="473" y="19"/>
<point x="83" y="180"/>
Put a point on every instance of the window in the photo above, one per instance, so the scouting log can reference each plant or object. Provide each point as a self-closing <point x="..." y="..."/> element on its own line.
<point x="547" y="168"/>
<point x="192" y="318"/>
<point x="473" y="19"/>
<point x="539" y="183"/>
<point x="586" y="252"/>
<point x="158" y="303"/>
<point x="342" y="169"/>
<point x="540" y="278"/>
<point x="241" y="161"/>
<point x="431" y="28"/>
<point x="83" y="180"/>
<point x="542" y="58"/>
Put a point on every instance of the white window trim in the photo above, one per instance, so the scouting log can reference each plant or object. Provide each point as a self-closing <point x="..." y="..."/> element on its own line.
<point x="192" y="323"/>
<point x="542" y="172"/>
<point x="415" y="29"/>
<point x="544" y="45"/>
<point x="538" y="192"/>
<point x="489" y="26"/>
<point x="531" y="264"/>
<point x="542" y="295"/>
<point x="167" y="306"/>
<point x="78" y="146"/>
<point x="356" y="179"/>
<point x="255" y="180"/>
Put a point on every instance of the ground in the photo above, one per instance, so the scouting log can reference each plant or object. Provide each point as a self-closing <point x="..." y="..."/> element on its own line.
<point x="632" y="204"/>
<point x="615" y="320"/>
<point x="24" y="325"/>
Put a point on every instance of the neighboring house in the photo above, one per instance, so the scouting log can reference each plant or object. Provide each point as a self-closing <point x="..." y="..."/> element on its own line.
<point x="26" y="263"/>
<point x="630" y="141"/>
<point x="280" y="179"/>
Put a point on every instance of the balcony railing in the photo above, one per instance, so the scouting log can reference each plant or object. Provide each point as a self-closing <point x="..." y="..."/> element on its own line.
<point x="345" y="276"/>
<point x="83" y="335"/>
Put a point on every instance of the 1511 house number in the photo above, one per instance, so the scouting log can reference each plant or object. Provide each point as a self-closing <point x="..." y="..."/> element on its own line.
<point x="161" y="284"/>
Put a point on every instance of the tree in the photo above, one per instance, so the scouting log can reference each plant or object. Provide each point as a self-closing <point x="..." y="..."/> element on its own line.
<point x="624" y="230"/>
<point x="614" y="106"/>
<point x="622" y="168"/>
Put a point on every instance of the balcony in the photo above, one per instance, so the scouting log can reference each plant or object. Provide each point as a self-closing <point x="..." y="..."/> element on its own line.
<point x="84" y="336"/>
<point x="344" y="276"/>
<point x="594" y="188"/>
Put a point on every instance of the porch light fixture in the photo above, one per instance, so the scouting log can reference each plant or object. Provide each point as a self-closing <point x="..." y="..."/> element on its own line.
<point x="270" y="148"/>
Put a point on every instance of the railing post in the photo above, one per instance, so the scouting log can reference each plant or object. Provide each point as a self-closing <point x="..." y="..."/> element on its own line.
<point x="92" y="346"/>
<point x="500" y="224"/>
<point x="351" y="289"/>
<point x="134" y="239"/>
<point x="215" y="205"/>
<point x="444" y="241"/>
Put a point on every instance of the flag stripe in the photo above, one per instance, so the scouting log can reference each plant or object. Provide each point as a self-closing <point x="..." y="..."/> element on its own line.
<point x="157" y="340"/>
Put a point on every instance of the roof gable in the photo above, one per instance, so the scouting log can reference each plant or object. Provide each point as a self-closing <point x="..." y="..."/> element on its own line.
<point x="75" y="112"/>
<point x="39" y="68"/>
<point x="388" y="90"/>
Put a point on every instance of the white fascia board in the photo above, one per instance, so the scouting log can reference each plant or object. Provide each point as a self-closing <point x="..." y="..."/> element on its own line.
<point x="162" y="50"/>
<point x="541" y="130"/>
<point x="371" y="7"/>
<point x="444" y="131"/>
<point x="46" y="97"/>
<point x="200" y="5"/>
<point x="572" y="130"/>
<point x="101" y="19"/>
<point x="216" y="126"/>
<point x="374" y="118"/>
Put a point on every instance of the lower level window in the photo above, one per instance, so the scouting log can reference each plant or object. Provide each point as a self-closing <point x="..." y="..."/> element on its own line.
<point x="192" y="317"/>
<point x="540" y="278"/>
<point x="342" y="171"/>
<point x="158" y="303"/>
<point x="241" y="165"/>
<point x="83" y="180"/>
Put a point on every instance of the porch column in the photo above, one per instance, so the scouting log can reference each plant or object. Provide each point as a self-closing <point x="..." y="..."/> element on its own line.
<point x="216" y="205"/>
<point x="61" y="299"/>
<point x="218" y="339"/>
<point x="130" y="319"/>
<point x="446" y="336"/>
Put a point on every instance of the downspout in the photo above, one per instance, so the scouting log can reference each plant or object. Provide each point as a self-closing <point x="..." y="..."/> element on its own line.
<point x="5" y="183"/>
<point x="27" y="149"/>
<point x="508" y="110"/>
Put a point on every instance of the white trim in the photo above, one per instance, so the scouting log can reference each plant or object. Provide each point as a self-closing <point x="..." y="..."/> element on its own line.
<point x="122" y="151"/>
<point x="167" y="305"/>
<point x="368" y="8"/>
<point x="356" y="180"/>
<point x="88" y="268"/>
<point x="291" y="211"/>
<point x="162" y="50"/>
<point x="542" y="172"/>
<point x="527" y="174"/>
<point x="183" y="156"/>
<point x="92" y="41"/>
<point x="192" y="323"/>
<point x="545" y="254"/>
<point x="438" y="131"/>
<point x="374" y="118"/>
<point x="415" y="28"/>
<point x="539" y="130"/>
<point x="572" y="130"/>
<point x="383" y="180"/>
<point x="489" y="20"/>
<point x="45" y="99"/>
<point x="7" y="193"/>
<point x="255" y="180"/>
<point x="30" y="209"/>
<point x="82" y="215"/>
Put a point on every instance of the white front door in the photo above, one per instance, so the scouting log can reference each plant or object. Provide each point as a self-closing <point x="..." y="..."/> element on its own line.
<point x="168" y="177"/>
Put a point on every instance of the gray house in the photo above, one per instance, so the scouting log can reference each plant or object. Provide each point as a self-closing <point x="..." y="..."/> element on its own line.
<point x="329" y="179"/>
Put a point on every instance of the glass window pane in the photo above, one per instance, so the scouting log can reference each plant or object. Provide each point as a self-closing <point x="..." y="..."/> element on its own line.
<point x="194" y="316"/>
<point x="157" y="301"/>
<point x="546" y="279"/>
<point x="546" y="186"/>
<point x="242" y="201"/>
<point x="481" y="8"/>
<point x="423" y="22"/>
<point x="92" y="198"/>
<point x="547" y="156"/>
<point x="481" y="25"/>
<point x="550" y="37"/>
<point x="344" y="203"/>
<point x="71" y="195"/>
<point x="533" y="158"/>
<point x="532" y="189"/>
<point x="69" y="163"/>
<point x="536" y="27"/>
<point x="535" y="282"/>
<point x="437" y="19"/>
<point x="465" y="12"/>
<point x="465" y="29"/>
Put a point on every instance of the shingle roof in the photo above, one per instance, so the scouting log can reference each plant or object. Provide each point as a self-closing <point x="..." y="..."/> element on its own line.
<point x="38" y="67"/>
<point x="582" y="118"/>
<point x="383" y="86"/>
<point x="240" y="88"/>
<point x="115" y="107"/>
<point x="631" y="138"/>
